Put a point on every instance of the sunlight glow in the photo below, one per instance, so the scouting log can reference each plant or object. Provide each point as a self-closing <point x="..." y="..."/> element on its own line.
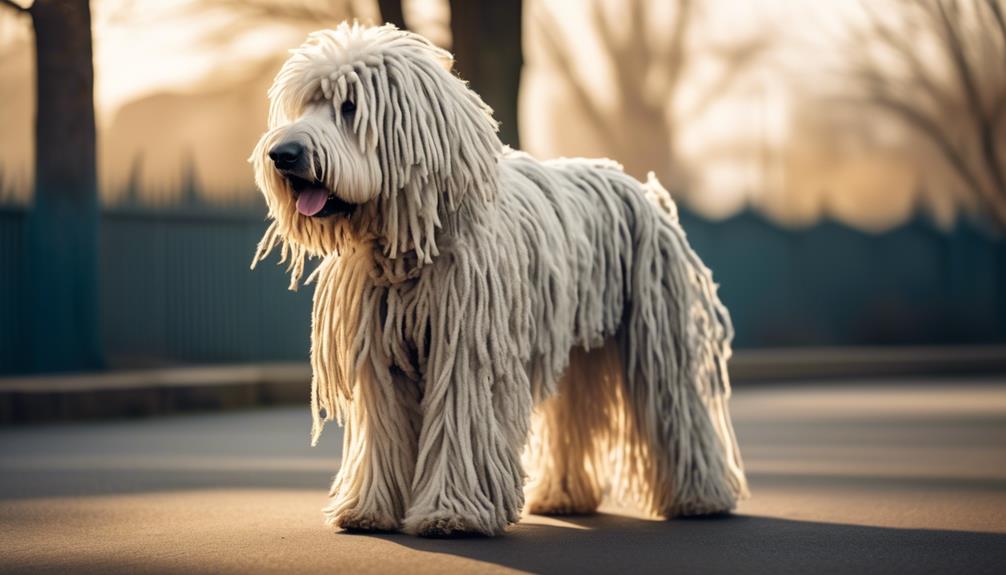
<point x="756" y="115"/>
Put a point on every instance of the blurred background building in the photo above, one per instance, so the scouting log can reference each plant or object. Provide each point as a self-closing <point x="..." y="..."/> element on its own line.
<point x="839" y="164"/>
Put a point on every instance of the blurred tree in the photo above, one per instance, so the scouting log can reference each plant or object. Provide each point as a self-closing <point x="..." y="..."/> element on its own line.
<point x="648" y="71"/>
<point x="64" y="243"/>
<point x="391" y="12"/>
<point x="486" y="41"/>
<point x="940" y="67"/>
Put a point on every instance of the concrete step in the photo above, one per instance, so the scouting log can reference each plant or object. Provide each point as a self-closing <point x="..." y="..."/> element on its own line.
<point x="137" y="393"/>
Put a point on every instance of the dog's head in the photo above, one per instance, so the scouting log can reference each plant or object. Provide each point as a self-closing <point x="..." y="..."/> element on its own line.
<point x="371" y="138"/>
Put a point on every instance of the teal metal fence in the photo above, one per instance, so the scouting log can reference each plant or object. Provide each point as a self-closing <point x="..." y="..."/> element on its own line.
<point x="176" y="287"/>
<point x="831" y="285"/>
<point x="13" y="283"/>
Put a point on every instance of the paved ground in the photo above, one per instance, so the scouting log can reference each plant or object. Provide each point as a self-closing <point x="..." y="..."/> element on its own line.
<point x="882" y="478"/>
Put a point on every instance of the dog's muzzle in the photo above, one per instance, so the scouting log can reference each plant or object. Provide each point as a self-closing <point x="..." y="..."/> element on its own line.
<point x="289" y="157"/>
<point x="314" y="199"/>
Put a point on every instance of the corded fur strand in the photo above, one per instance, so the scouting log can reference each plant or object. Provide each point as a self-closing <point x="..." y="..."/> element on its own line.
<point x="473" y="287"/>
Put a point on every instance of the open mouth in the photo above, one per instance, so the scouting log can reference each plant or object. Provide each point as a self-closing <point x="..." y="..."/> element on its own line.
<point x="317" y="201"/>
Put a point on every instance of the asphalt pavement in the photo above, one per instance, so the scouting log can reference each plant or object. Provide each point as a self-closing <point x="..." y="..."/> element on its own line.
<point x="847" y="477"/>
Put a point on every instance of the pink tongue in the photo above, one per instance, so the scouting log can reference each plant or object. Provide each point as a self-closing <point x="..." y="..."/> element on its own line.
<point x="311" y="201"/>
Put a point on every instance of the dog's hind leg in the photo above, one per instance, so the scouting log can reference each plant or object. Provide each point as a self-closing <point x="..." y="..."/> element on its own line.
<point x="566" y="458"/>
<point x="683" y="455"/>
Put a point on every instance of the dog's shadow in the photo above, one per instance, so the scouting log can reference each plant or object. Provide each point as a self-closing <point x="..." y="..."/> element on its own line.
<point x="608" y="543"/>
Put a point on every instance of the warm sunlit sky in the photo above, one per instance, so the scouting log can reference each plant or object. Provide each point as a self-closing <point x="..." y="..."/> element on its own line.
<point x="183" y="81"/>
<point x="147" y="46"/>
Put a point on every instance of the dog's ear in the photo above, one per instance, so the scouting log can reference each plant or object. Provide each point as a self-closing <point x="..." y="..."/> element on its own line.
<point x="434" y="127"/>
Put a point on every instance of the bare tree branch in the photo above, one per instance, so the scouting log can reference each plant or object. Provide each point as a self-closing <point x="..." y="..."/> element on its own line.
<point x="249" y="15"/>
<point x="903" y="45"/>
<point x="649" y="62"/>
<point x="959" y="114"/>
<point x="556" y="48"/>
<point x="737" y="59"/>
<point x="997" y="15"/>
<point x="955" y="46"/>
<point x="676" y="54"/>
<point x="932" y="130"/>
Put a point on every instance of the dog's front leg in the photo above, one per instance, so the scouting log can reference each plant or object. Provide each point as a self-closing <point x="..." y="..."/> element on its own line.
<point x="476" y="410"/>
<point x="371" y="491"/>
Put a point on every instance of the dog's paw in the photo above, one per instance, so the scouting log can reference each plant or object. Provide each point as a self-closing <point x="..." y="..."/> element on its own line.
<point x="446" y="525"/>
<point x="562" y="503"/>
<point x="356" y="521"/>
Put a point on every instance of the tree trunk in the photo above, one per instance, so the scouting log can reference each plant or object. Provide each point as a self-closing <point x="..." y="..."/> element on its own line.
<point x="488" y="54"/>
<point x="391" y="12"/>
<point x="65" y="292"/>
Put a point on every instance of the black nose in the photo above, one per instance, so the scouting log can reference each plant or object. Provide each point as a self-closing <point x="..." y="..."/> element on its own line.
<point x="287" y="155"/>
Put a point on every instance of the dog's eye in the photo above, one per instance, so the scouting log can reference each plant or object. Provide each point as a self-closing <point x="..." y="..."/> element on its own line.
<point x="348" y="108"/>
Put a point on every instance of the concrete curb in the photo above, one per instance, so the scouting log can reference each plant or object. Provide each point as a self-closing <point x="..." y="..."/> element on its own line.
<point x="847" y="362"/>
<point x="151" y="392"/>
<point x="161" y="391"/>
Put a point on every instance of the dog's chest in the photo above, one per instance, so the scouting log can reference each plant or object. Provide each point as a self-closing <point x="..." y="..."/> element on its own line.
<point x="405" y="319"/>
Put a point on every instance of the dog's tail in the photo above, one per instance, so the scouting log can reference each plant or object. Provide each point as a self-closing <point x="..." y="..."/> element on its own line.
<point x="679" y="453"/>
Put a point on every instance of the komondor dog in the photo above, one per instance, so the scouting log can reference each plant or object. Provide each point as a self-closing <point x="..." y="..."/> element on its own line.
<point x="468" y="293"/>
